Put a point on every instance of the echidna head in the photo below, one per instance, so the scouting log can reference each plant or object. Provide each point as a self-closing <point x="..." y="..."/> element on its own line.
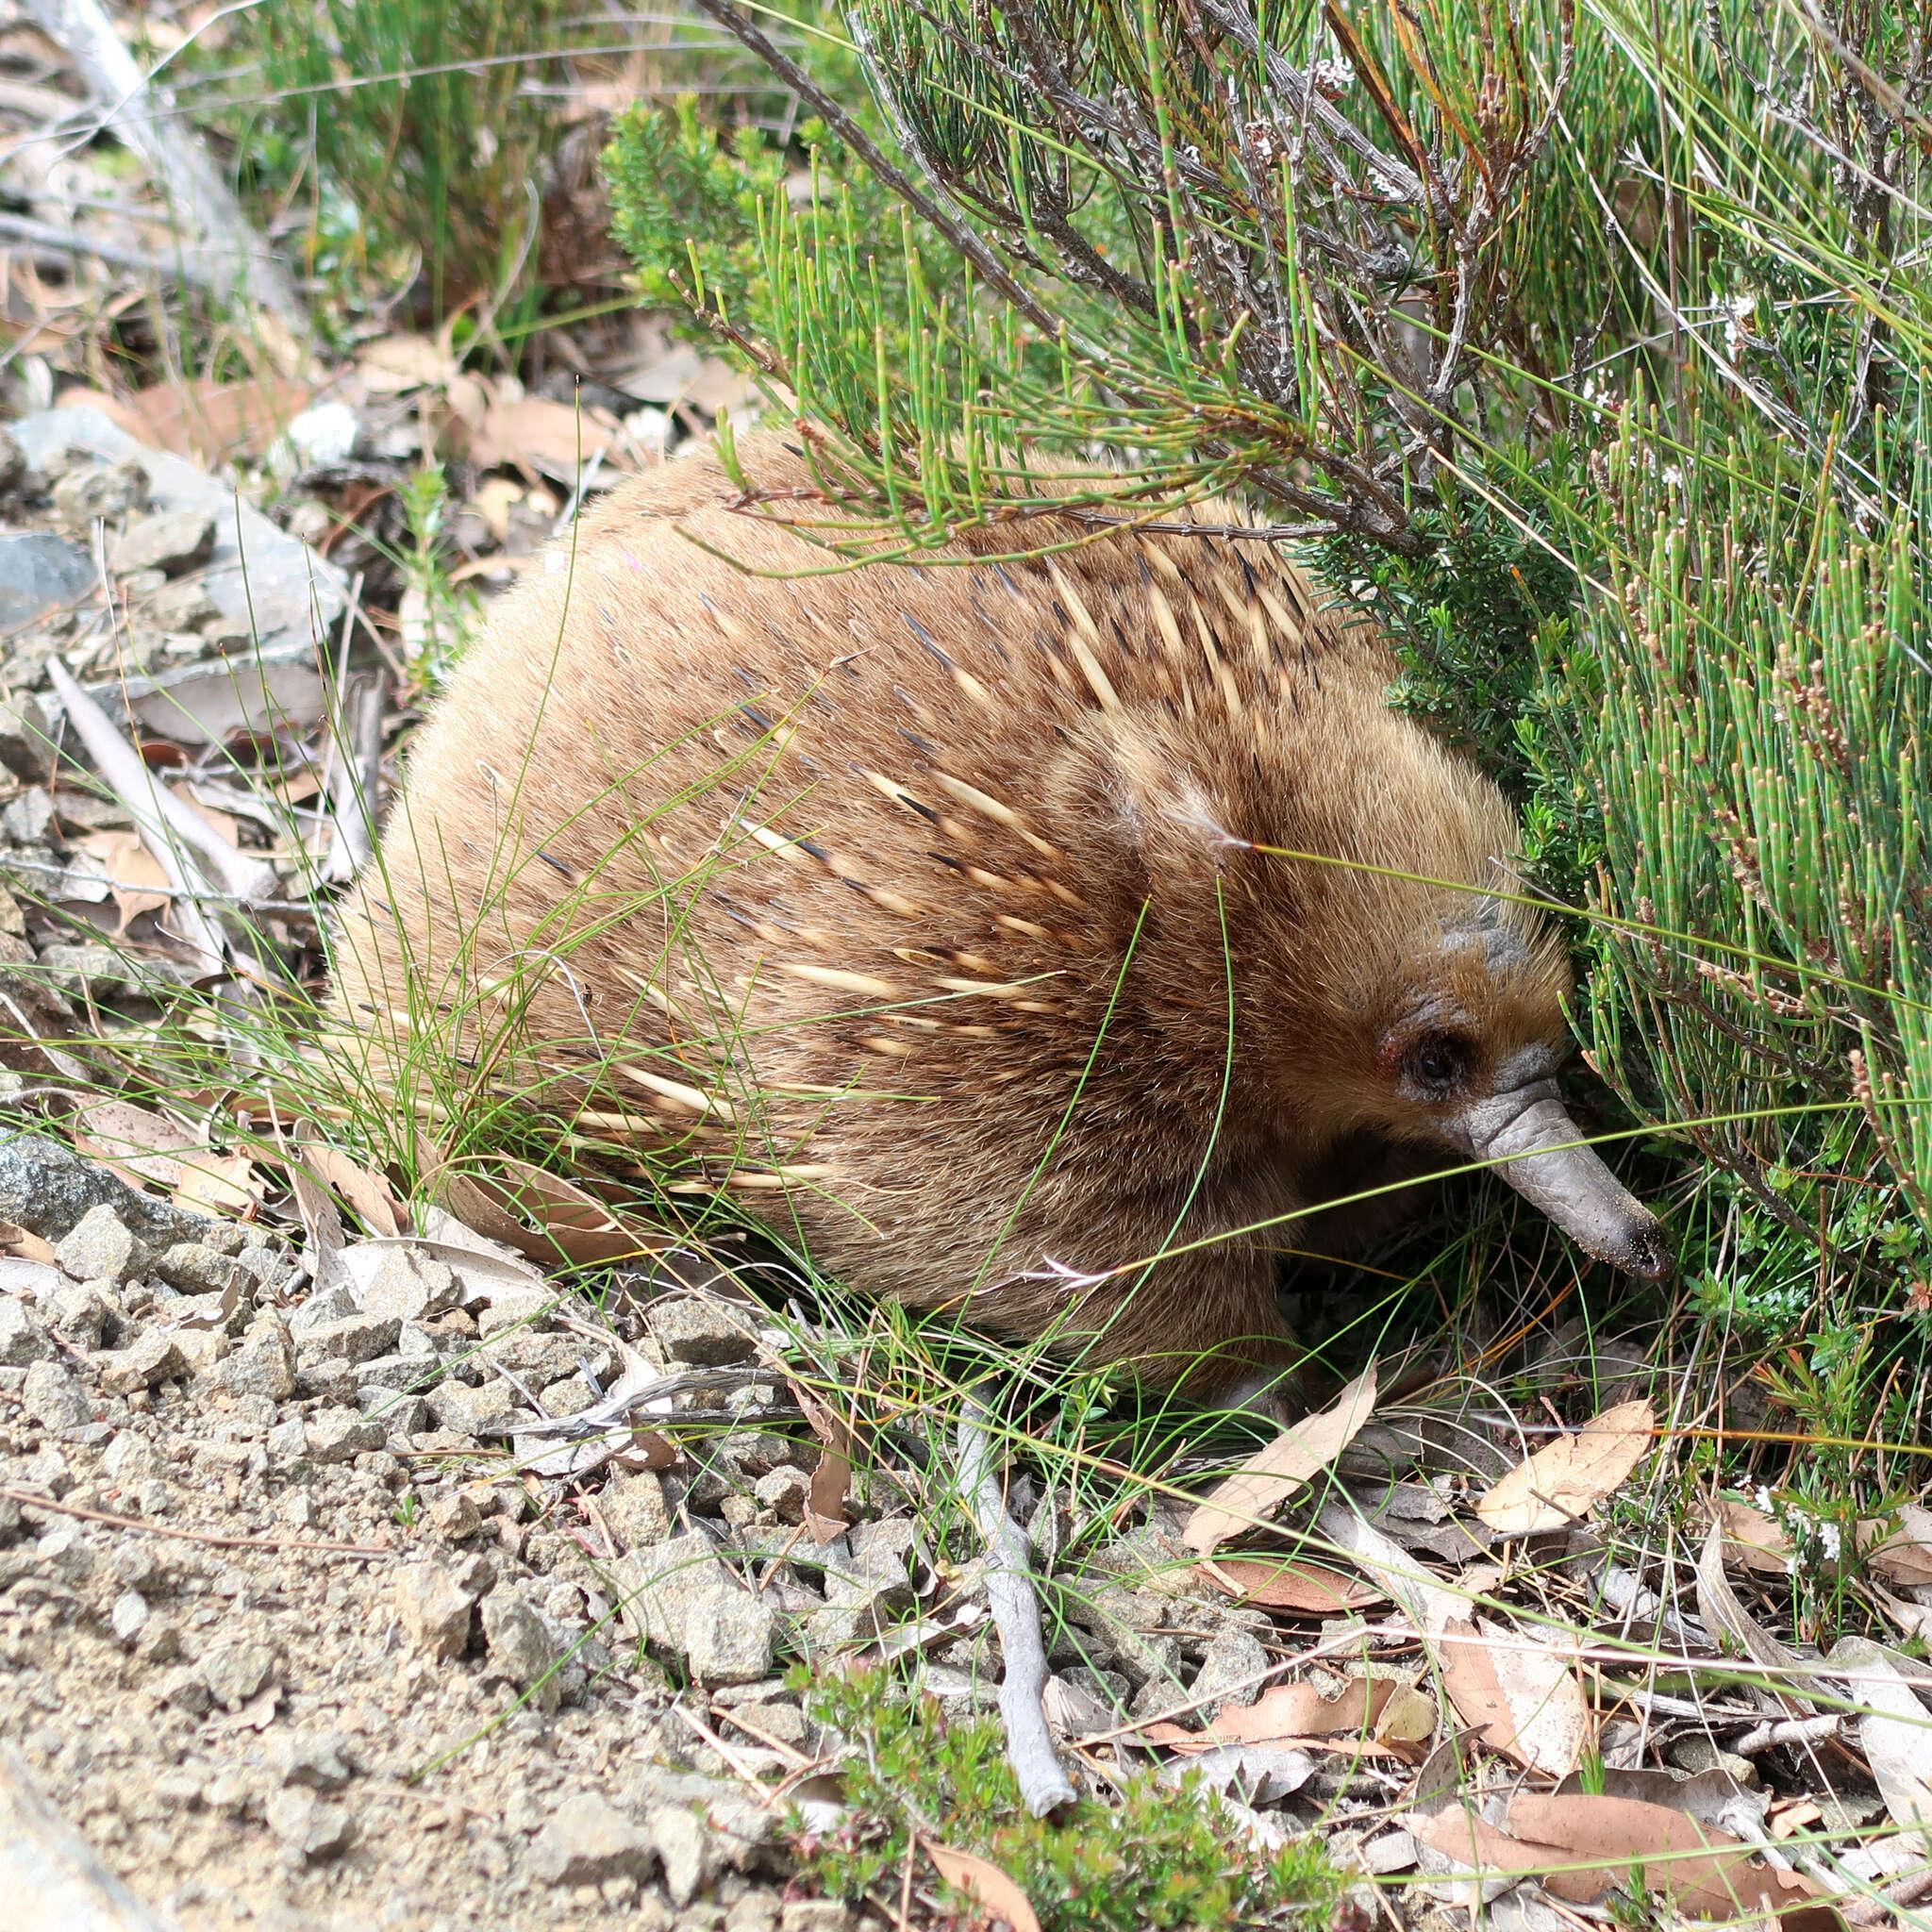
<point x="1465" y="1049"/>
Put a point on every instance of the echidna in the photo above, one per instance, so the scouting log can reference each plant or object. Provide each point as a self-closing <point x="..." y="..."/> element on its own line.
<point x="921" y="908"/>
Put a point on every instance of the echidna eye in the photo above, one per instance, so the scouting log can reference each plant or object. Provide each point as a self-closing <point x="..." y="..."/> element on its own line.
<point x="1439" y="1061"/>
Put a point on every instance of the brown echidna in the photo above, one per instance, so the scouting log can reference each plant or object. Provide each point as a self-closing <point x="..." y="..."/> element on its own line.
<point x="914" y="903"/>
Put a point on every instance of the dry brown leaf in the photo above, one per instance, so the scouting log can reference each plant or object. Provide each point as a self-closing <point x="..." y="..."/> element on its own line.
<point x="983" y="1882"/>
<point x="583" y="1229"/>
<point x="211" y="421"/>
<point x="24" y="1242"/>
<point x="1718" y="1604"/>
<point x="1288" y="1584"/>
<point x="536" y="434"/>
<point x="134" y="875"/>
<point x="1373" y="1716"/>
<point x="1754" y="1539"/>
<point x="369" y="1194"/>
<point x="1473" y="1841"/>
<point x="1560" y="1483"/>
<point x="1522" y="1695"/>
<point x="1904" y="1554"/>
<point x="138" y="1145"/>
<point x="1894" y="1731"/>
<point x="1271" y="1474"/>
<point x="825" y="1514"/>
<point x="218" y="1184"/>
<point x="393" y="365"/>
<point x="1727" y="1884"/>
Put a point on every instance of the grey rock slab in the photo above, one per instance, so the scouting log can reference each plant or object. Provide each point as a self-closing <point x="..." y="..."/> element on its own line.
<point x="319" y="1759"/>
<point x="485" y="1411"/>
<point x="234" y="1673"/>
<point x="271" y="584"/>
<point x="263" y="1365"/>
<point x="354" y="1338"/>
<point x="27" y="733"/>
<point x="90" y="492"/>
<point x="664" y="1584"/>
<point x="38" y="572"/>
<point x="340" y="1435"/>
<point x="434" y="1606"/>
<point x="47" y="1189"/>
<point x="194" y="1268"/>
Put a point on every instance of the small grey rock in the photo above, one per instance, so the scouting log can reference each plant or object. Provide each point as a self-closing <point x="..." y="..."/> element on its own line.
<point x="354" y="1338"/>
<point x="521" y="1650"/>
<point x="53" y="1398"/>
<point x="310" y="1828"/>
<point x="434" y="1606"/>
<point x="340" y="1435"/>
<point x="319" y="1759"/>
<point x="784" y="1492"/>
<point x="25" y="819"/>
<point x="465" y="1411"/>
<point x="588" y="1840"/>
<point x="27" y="733"/>
<point x="634" y="1506"/>
<point x="185" y="605"/>
<point x="90" y="492"/>
<point x="38" y="572"/>
<point x="728" y="1639"/>
<point x="22" y="1339"/>
<point x="663" y="1585"/>
<point x="410" y="1287"/>
<point x="174" y="541"/>
<point x="336" y="1304"/>
<point x="67" y="1553"/>
<point x="101" y="1247"/>
<point x="264" y="1365"/>
<point x="82" y="1311"/>
<point x="234" y="1673"/>
<point x="130" y="1615"/>
<point x="195" y="1268"/>
<point x="1234" y="1665"/>
<point x="700" y="1333"/>
<point x="686" y="1848"/>
<point x="286" y="1443"/>
<point x="149" y="1360"/>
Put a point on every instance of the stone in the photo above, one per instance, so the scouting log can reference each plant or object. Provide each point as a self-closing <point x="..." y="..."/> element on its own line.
<point x="128" y="1618"/>
<point x="354" y="1338"/>
<point x="174" y="541"/>
<point x="183" y="605"/>
<point x="67" y="1553"/>
<point x="89" y="493"/>
<point x="588" y="1840"/>
<point x="22" y="1339"/>
<point x="101" y="972"/>
<point x="685" y="1849"/>
<point x="517" y="1307"/>
<point x="25" y="819"/>
<point x="521" y="1650"/>
<point x="53" y="1398"/>
<point x="184" y="1688"/>
<point x="466" y="1411"/>
<point x="395" y="1414"/>
<point x="318" y="1760"/>
<point x="13" y="469"/>
<point x="38" y="572"/>
<point x="756" y="1912"/>
<point x="634" y="1506"/>
<point x="136" y="1563"/>
<point x="662" y="1584"/>
<point x="325" y="1305"/>
<point x="234" y="1673"/>
<point x="82" y="1311"/>
<point x="410" y="1287"/>
<point x="815" y="1915"/>
<point x="264" y="1365"/>
<point x="867" y="1567"/>
<point x="194" y="1268"/>
<point x="455" y="1517"/>
<point x="27" y="733"/>
<point x="101" y="1247"/>
<point x="47" y="1189"/>
<point x="784" y="1492"/>
<point x="1231" y="1671"/>
<point x="434" y="1606"/>
<point x="340" y="1435"/>
<point x="728" y="1639"/>
<point x="146" y="1362"/>
<point x="307" y="1827"/>
<point x="700" y="1333"/>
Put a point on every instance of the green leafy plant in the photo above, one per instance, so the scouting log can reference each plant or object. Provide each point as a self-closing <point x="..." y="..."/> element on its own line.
<point x="1160" y="1857"/>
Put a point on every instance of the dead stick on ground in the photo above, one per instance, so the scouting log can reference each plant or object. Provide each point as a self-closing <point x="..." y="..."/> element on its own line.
<point x="221" y="242"/>
<point x="27" y="1500"/>
<point x="1043" y="1782"/>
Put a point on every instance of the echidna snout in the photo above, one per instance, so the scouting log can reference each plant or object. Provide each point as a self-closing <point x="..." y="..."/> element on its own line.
<point x="925" y="912"/>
